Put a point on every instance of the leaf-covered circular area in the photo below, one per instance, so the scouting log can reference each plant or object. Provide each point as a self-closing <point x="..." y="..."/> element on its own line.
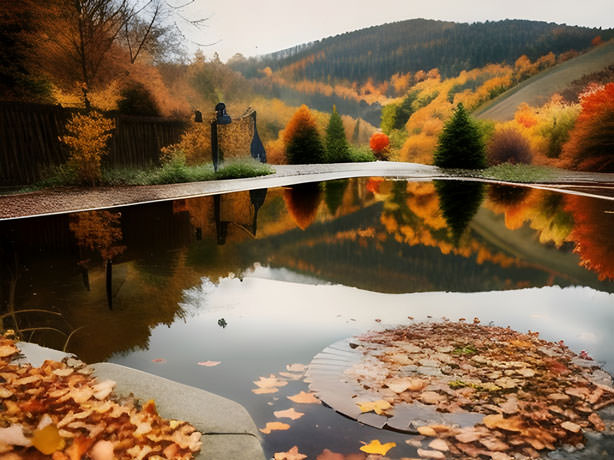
<point x="470" y="390"/>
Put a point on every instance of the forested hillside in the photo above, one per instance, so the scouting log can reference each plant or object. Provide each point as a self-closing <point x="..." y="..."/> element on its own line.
<point x="414" y="45"/>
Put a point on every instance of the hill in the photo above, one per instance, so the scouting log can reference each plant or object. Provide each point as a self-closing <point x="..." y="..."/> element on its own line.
<point x="414" y="45"/>
<point x="538" y="89"/>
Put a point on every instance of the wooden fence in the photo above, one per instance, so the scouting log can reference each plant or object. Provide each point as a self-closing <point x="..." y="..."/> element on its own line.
<point x="30" y="145"/>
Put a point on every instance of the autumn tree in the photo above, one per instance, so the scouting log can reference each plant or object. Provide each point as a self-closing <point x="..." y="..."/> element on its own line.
<point x="18" y="77"/>
<point x="460" y="143"/>
<point x="337" y="149"/>
<point x="591" y="143"/>
<point x="302" y="140"/>
<point x="302" y="202"/>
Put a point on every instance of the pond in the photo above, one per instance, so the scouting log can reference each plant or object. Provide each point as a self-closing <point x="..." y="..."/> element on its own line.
<point x="218" y="292"/>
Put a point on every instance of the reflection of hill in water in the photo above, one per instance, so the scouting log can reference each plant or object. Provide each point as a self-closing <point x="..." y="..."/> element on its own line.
<point x="333" y="251"/>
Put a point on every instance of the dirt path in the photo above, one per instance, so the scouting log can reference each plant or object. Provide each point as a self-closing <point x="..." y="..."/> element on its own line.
<point x="73" y="199"/>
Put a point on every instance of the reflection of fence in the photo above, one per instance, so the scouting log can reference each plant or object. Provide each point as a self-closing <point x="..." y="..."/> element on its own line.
<point x="29" y="140"/>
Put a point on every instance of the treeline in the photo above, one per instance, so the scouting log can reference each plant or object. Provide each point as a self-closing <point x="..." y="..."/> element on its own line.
<point x="420" y="45"/>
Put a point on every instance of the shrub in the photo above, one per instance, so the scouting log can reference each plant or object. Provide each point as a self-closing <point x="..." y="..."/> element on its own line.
<point x="460" y="144"/>
<point x="303" y="144"/>
<point x="380" y="144"/>
<point x="86" y="138"/>
<point x="337" y="149"/>
<point x="137" y="100"/>
<point x="508" y="146"/>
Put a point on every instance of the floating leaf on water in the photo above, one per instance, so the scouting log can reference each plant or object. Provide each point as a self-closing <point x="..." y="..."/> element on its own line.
<point x="292" y="454"/>
<point x="376" y="447"/>
<point x="265" y="391"/>
<point x="288" y="413"/>
<point x="270" y="381"/>
<point x="158" y="360"/>
<point x="209" y="363"/>
<point x="304" y="398"/>
<point x="297" y="367"/>
<point x="274" y="426"/>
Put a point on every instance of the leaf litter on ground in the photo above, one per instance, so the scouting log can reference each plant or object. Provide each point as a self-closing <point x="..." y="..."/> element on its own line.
<point x="59" y="410"/>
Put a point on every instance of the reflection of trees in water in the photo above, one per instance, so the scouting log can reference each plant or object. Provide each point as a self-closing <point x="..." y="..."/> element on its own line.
<point x="302" y="202"/>
<point x="333" y="194"/>
<point x="507" y="195"/>
<point x="459" y="202"/>
<point x="592" y="233"/>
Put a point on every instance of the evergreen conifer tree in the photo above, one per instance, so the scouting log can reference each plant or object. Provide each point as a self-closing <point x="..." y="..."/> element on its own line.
<point x="356" y="133"/>
<point x="303" y="144"/>
<point x="337" y="150"/>
<point x="460" y="143"/>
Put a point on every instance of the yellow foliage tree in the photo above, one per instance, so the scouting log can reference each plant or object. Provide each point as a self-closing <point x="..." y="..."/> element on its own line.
<point x="87" y="139"/>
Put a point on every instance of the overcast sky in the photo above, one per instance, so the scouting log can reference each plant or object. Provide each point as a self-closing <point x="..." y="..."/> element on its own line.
<point x="261" y="26"/>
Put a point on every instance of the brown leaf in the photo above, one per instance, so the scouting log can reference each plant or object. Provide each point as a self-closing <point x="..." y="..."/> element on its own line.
<point x="596" y="421"/>
<point x="288" y="413"/>
<point x="570" y="426"/>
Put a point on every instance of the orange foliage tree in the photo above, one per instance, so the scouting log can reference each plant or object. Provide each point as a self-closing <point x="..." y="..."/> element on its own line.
<point x="379" y="144"/>
<point x="302" y="140"/>
<point x="591" y="143"/>
<point x="302" y="202"/>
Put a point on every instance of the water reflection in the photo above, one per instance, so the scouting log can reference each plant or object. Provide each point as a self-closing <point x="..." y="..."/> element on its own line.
<point x="108" y="278"/>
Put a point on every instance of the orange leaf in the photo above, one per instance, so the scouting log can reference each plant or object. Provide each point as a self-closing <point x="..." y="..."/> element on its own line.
<point x="289" y="413"/>
<point x="274" y="426"/>
<point x="208" y="363"/>
<point x="292" y="454"/>
<point x="376" y="447"/>
<point x="304" y="398"/>
<point x="47" y="440"/>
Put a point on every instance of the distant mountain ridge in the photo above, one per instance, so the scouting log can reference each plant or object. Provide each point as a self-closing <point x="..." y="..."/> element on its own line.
<point x="379" y="52"/>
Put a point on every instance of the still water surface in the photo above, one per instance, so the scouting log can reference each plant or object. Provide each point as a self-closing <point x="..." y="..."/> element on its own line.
<point x="262" y="279"/>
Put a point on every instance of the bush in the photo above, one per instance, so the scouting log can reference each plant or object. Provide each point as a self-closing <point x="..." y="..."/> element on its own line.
<point x="137" y="100"/>
<point x="380" y="144"/>
<point x="361" y="154"/>
<point x="508" y="146"/>
<point x="303" y="144"/>
<point x="460" y="144"/>
<point x="87" y="141"/>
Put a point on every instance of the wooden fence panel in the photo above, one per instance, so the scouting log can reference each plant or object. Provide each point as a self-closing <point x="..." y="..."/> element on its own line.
<point x="30" y="145"/>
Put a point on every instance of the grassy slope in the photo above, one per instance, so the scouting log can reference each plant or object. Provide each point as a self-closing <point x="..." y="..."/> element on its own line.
<point x="537" y="90"/>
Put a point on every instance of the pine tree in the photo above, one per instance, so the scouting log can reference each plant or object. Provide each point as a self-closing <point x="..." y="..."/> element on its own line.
<point x="460" y="143"/>
<point x="303" y="144"/>
<point x="356" y="133"/>
<point x="337" y="150"/>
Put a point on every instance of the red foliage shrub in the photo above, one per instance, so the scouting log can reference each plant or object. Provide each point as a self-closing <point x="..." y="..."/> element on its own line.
<point x="380" y="144"/>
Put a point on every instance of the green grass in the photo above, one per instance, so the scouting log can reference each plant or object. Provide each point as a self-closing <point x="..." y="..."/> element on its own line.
<point x="173" y="172"/>
<point x="519" y="173"/>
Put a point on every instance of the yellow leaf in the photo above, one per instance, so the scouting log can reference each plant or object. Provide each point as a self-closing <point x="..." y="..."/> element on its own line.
<point x="292" y="454"/>
<point x="377" y="406"/>
<point x="47" y="440"/>
<point x="304" y="398"/>
<point x="376" y="447"/>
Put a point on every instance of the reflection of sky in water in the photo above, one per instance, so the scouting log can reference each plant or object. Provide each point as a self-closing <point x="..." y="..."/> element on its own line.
<point x="272" y="323"/>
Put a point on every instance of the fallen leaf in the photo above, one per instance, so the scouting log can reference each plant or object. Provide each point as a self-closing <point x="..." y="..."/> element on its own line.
<point x="13" y="435"/>
<point x="570" y="426"/>
<point x="209" y="363"/>
<point x="330" y="455"/>
<point x="102" y="450"/>
<point x="376" y="447"/>
<point x="270" y="381"/>
<point x="47" y="440"/>
<point x="424" y="453"/>
<point x="304" y="398"/>
<point x="378" y="406"/>
<point x="426" y="431"/>
<point x="431" y="397"/>
<point x="596" y="421"/>
<point x="288" y="413"/>
<point x="7" y="350"/>
<point x="274" y="426"/>
<point x="296" y="367"/>
<point x="439" y="444"/>
<point x="158" y="360"/>
<point x="265" y="391"/>
<point x="292" y="454"/>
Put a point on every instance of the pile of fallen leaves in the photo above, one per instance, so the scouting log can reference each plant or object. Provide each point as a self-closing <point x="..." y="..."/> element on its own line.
<point x="534" y="395"/>
<point x="60" y="411"/>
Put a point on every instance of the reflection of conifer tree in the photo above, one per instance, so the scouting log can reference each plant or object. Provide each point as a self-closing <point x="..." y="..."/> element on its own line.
<point x="302" y="202"/>
<point x="333" y="194"/>
<point x="507" y="195"/>
<point x="459" y="201"/>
